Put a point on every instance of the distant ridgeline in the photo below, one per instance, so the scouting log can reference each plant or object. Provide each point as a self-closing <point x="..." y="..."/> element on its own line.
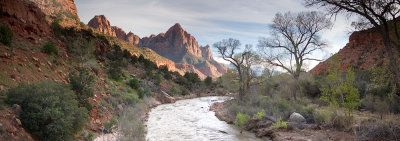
<point x="176" y="45"/>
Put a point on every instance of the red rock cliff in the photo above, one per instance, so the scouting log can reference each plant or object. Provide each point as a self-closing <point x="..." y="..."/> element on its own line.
<point x="26" y="20"/>
<point x="54" y="8"/>
<point x="364" y="51"/>
<point x="102" y="25"/>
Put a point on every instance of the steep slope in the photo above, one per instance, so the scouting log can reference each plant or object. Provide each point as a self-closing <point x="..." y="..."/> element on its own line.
<point x="365" y="50"/>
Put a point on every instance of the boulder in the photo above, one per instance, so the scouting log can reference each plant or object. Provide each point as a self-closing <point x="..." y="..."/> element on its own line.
<point x="163" y="97"/>
<point x="296" y="117"/>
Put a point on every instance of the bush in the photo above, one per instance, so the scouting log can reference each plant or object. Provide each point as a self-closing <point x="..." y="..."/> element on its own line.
<point x="82" y="83"/>
<point x="144" y="92"/>
<point x="50" y="110"/>
<point x="175" y="91"/>
<point x="208" y="81"/>
<point x="279" y="124"/>
<point x="111" y="125"/>
<point x="129" y="98"/>
<point x="131" y="127"/>
<point x="241" y="119"/>
<point x="378" y="130"/>
<point x="6" y="35"/>
<point x="134" y="83"/>
<point x="259" y="115"/>
<point x="50" y="48"/>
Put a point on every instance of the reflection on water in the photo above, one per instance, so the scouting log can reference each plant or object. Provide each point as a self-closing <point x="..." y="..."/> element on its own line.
<point x="192" y="120"/>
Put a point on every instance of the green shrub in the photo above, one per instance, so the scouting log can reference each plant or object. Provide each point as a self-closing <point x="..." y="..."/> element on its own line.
<point x="50" y="110"/>
<point x="134" y="83"/>
<point x="279" y="124"/>
<point x="241" y="119"/>
<point x="129" y="98"/>
<point x="185" y="91"/>
<point x="259" y="115"/>
<point x="144" y="92"/>
<point x="157" y="79"/>
<point x="6" y="35"/>
<point x="50" y="48"/>
<point x="82" y="83"/>
<point x="175" y="91"/>
<point x="208" y="81"/>
<point x="111" y="125"/>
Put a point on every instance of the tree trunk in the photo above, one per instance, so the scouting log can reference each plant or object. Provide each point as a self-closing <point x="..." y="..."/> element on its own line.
<point x="296" y="84"/>
<point x="393" y="66"/>
<point x="240" y="84"/>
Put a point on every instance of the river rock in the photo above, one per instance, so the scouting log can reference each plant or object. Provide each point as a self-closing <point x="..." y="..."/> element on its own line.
<point x="296" y="117"/>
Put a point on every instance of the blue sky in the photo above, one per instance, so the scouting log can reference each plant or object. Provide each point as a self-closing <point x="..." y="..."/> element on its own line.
<point x="208" y="21"/>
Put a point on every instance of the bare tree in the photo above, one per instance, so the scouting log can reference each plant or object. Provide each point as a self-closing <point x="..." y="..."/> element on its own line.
<point x="294" y="37"/>
<point x="227" y="48"/>
<point x="251" y="59"/>
<point x="380" y="14"/>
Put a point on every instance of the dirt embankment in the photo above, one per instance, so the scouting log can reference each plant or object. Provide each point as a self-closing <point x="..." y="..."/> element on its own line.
<point x="263" y="128"/>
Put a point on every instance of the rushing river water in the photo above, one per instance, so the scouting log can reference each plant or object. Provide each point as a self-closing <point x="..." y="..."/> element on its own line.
<point x="192" y="120"/>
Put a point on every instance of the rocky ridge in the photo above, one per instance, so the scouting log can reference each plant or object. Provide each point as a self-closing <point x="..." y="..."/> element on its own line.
<point x="365" y="50"/>
<point x="176" y="45"/>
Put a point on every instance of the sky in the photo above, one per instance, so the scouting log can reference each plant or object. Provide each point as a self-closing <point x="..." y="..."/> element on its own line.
<point x="209" y="21"/>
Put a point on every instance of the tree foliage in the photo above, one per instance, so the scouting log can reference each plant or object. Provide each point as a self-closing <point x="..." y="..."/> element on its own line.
<point x="50" y="110"/>
<point x="339" y="90"/>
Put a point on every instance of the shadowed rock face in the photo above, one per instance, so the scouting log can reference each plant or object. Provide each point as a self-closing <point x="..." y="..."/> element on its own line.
<point x="365" y="50"/>
<point x="26" y="20"/>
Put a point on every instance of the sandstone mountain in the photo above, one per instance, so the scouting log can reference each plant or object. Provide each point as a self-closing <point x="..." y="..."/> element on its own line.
<point x="365" y="50"/>
<point x="176" y="45"/>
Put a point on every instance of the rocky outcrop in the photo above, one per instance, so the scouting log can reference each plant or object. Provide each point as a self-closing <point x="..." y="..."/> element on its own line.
<point x="179" y="46"/>
<point x="206" y="53"/>
<point x="163" y="97"/>
<point x="132" y="38"/>
<point x="101" y="24"/>
<point x="175" y="43"/>
<point x="365" y="50"/>
<point x="26" y="20"/>
<point x="56" y="9"/>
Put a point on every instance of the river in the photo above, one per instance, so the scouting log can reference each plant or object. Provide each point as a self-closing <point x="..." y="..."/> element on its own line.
<point x="192" y="120"/>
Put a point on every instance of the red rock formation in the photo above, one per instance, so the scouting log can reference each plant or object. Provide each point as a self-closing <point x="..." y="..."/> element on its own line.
<point x="364" y="51"/>
<point x="206" y="52"/>
<point x="26" y="20"/>
<point x="54" y="7"/>
<point x="102" y="25"/>
<point x="132" y="38"/>
<point x="175" y="42"/>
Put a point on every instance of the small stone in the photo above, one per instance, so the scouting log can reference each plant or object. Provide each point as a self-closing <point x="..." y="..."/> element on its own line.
<point x="40" y="70"/>
<point x="18" y="122"/>
<point x="120" y="107"/>
<point x="48" y="62"/>
<point x="1" y="87"/>
<point x="98" y="121"/>
<point x="296" y="117"/>
<point x="36" y="59"/>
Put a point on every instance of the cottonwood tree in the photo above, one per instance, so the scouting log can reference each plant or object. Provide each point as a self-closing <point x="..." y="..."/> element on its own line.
<point x="251" y="59"/>
<point x="380" y="14"/>
<point x="228" y="49"/>
<point x="294" y="37"/>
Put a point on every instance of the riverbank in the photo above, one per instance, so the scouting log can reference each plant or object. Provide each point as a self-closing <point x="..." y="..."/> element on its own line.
<point x="153" y="102"/>
<point x="262" y="127"/>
